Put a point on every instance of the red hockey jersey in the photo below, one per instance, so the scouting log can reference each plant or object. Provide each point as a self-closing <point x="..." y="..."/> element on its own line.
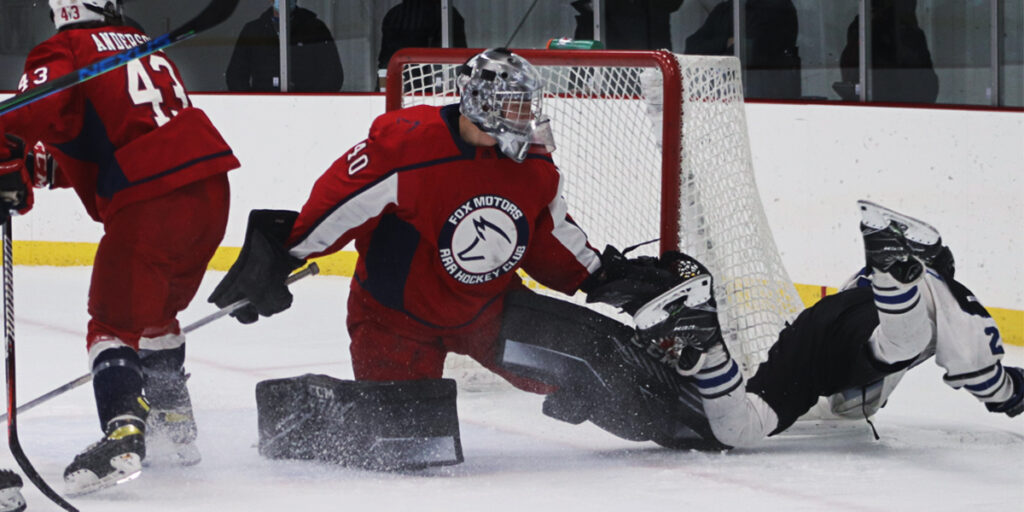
<point x="442" y="226"/>
<point x="125" y="136"/>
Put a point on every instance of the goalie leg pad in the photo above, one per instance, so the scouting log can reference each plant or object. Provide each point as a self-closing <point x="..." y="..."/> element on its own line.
<point x="600" y="375"/>
<point x="395" y="425"/>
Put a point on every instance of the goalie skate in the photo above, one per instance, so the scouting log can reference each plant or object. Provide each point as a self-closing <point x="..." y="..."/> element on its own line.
<point x="115" y="459"/>
<point x="893" y="241"/>
<point x="11" y="499"/>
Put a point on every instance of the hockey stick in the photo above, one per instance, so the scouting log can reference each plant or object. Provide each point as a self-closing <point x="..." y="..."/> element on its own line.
<point x="521" y="21"/>
<point x="214" y="13"/>
<point x="312" y="270"/>
<point x="12" y="411"/>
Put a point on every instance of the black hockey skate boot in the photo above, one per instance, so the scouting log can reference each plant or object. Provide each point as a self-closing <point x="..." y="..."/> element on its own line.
<point x="901" y="245"/>
<point x="115" y="459"/>
<point x="681" y="325"/>
<point x="171" y="427"/>
<point x="11" y="499"/>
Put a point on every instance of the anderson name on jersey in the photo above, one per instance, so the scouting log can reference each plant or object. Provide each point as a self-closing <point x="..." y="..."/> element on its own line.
<point x="441" y="226"/>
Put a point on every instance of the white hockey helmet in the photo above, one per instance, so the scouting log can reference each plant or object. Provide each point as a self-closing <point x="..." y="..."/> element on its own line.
<point x="67" y="12"/>
<point x="502" y="94"/>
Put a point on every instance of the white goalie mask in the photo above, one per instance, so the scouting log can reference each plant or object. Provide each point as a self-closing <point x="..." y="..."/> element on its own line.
<point x="67" y="12"/>
<point x="502" y="94"/>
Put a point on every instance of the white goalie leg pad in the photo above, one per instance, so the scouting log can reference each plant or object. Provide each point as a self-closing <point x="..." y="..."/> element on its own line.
<point x="906" y="318"/>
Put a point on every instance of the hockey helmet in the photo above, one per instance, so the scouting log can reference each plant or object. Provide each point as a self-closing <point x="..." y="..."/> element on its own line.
<point x="502" y="94"/>
<point x="68" y="12"/>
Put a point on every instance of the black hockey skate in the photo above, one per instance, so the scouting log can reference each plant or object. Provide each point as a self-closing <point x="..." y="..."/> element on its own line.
<point x="901" y="245"/>
<point x="681" y="325"/>
<point x="171" y="427"/>
<point x="11" y="499"/>
<point x="115" y="459"/>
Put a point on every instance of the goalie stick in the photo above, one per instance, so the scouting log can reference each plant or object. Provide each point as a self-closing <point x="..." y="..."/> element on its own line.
<point x="215" y="12"/>
<point x="312" y="270"/>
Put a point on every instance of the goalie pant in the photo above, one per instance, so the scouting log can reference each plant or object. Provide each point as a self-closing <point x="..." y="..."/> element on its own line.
<point x="849" y="342"/>
<point x="152" y="172"/>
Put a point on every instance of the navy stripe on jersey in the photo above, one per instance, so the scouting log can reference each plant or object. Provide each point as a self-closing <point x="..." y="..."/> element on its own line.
<point x="719" y="380"/>
<point x="984" y="384"/>
<point x="388" y="260"/>
<point x="895" y="300"/>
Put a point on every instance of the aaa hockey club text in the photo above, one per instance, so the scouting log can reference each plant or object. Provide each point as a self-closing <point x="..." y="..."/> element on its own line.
<point x="116" y="41"/>
<point x="484" y="238"/>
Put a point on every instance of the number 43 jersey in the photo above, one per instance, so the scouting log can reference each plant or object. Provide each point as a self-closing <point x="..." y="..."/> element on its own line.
<point x="441" y="226"/>
<point x="125" y="136"/>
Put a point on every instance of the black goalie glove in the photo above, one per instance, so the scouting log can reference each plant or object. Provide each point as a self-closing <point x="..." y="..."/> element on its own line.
<point x="626" y="283"/>
<point x="261" y="269"/>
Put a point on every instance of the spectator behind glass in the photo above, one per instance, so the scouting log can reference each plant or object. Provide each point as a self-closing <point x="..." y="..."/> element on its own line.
<point x="416" y="24"/>
<point x="314" y="64"/>
<point x="900" y="61"/>
<point x="629" y="24"/>
<point x="770" y="52"/>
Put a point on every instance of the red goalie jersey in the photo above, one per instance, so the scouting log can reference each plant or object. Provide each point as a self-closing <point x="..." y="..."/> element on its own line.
<point x="128" y="135"/>
<point x="442" y="226"/>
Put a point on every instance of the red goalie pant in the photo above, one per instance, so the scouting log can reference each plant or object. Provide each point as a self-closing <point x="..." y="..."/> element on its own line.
<point x="152" y="258"/>
<point x="388" y="345"/>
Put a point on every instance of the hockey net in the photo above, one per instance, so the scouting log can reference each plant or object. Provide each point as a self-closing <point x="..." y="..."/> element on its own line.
<point x="651" y="145"/>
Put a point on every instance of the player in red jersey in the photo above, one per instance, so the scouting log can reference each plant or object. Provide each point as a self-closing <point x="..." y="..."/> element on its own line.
<point x="152" y="169"/>
<point x="444" y="205"/>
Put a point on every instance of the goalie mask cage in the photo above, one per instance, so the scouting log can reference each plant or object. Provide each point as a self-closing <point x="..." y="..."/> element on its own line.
<point x="650" y="145"/>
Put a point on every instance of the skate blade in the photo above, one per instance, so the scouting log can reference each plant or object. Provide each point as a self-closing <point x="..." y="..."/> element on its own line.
<point x="878" y="217"/>
<point x="697" y="291"/>
<point x="11" y="500"/>
<point x="127" y="467"/>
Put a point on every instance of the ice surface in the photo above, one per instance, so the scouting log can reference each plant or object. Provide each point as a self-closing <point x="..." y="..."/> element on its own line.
<point x="939" y="448"/>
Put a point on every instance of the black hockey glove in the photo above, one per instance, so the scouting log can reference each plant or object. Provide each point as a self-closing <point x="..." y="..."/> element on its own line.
<point x="628" y="283"/>
<point x="1015" y="404"/>
<point x="14" y="190"/>
<point x="261" y="269"/>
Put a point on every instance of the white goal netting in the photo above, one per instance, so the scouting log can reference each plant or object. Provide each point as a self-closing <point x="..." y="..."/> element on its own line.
<point x="652" y="145"/>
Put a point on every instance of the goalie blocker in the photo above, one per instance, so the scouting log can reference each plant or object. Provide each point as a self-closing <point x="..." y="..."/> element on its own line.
<point x="373" y="425"/>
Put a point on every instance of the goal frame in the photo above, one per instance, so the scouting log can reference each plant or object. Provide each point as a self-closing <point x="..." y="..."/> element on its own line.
<point x="671" y="131"/>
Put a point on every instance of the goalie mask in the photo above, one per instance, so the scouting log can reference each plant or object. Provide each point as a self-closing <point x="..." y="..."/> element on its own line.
<point x="68" y="12"/>
<point x="502" y="95"/>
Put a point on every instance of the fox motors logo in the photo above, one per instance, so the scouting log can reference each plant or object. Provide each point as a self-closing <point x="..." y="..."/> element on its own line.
<point x="482" y="239"/>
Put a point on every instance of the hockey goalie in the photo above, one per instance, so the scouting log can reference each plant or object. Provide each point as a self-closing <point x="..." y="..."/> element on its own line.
<point x="444" y="205"/>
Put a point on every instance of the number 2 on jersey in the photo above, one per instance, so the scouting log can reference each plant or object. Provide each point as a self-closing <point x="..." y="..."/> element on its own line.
<point x="142" y="90"/>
